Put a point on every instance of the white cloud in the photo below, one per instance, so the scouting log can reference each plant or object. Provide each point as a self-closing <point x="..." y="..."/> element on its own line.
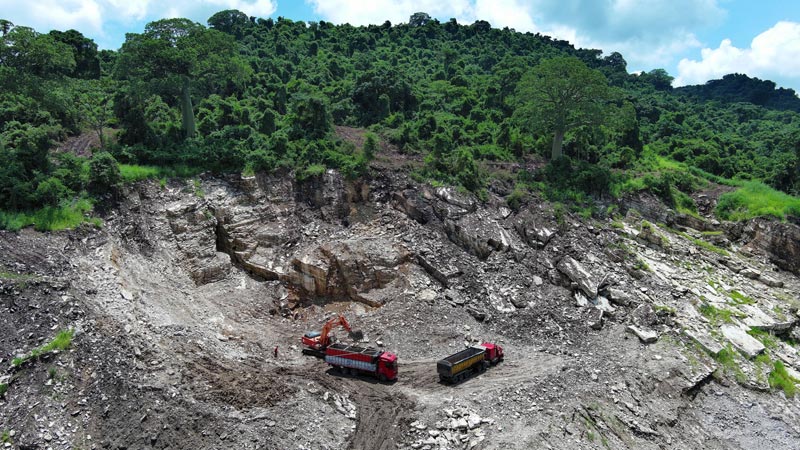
<point x="773" y="54"/>
<point x="516" y="14"/>
<point x="649" y="33"/>
<point x="85" y="14"/>
<point x="93" y="16"/>
<point x="364" y="12"/>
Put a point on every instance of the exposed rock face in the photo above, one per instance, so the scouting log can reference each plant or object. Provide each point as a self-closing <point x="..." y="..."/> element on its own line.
<point x="455" y="270"/>
<point x="648" y="206"/>
<point x="477" y="230"/>
<point x="409" y="202"/>
<point x="351" y="269"/>
<point x="780" y="241"/>
<point x="194" y="228"/>
<point x="326" y="192"/>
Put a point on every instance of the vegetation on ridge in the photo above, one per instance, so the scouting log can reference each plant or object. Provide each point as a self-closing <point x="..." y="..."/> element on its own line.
<point x="249" y="94"/>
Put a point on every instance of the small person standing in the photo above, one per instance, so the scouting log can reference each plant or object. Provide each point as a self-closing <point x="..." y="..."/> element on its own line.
<point x="275" y="352"/>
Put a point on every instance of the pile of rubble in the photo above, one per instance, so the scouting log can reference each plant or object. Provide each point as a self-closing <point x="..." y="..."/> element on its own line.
<point x="461" y="429"/>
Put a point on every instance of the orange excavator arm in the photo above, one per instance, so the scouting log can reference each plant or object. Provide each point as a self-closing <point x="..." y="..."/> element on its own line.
<point x="326" y="329"/>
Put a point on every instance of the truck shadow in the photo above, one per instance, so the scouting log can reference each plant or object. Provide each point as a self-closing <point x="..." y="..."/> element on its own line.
<point x="365" y="378"/>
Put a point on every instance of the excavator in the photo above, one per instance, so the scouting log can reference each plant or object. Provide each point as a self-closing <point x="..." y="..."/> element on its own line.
<point x="315" y="342"/>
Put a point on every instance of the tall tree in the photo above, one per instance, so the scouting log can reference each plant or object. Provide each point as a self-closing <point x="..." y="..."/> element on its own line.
<point x="174" y="57"/>
<point x="561" y="94"/>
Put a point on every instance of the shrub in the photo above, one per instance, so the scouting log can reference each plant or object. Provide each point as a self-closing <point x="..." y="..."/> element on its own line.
<point x="370" y="146"/>
<point x="104" y="173"/>
<point x="518" y="197"/>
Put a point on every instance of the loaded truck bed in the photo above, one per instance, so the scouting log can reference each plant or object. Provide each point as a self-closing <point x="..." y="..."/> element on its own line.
<point x="456" y="366"/>
<point x="353" y="359"/>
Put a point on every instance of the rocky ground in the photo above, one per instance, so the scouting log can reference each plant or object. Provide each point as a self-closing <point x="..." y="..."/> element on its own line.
<point x="650" y="330"/>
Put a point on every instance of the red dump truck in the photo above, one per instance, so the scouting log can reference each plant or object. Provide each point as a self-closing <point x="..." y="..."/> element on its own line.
<point x="460" y="365"/>
<point x="362" y="360"/>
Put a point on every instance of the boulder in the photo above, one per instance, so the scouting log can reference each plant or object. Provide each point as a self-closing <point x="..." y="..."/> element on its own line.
<point x="595" y="320"/>
<point x="705" y="341"/>
<point x="746" y="344"/>
<point x="603" y="304"/>
<point x="644" y="316"/>
<point x="646" y="336"/>
<point x="650" y="235"/>
<point x="750" y="273"/>
<point x="578" y="274"/>
<point x="480" y="233"/>
<point x="769" y="281"/>
<point x="452" y="197"/>
<point x="521" y="300"/>
<point x="619" y="297"/>
<point x="533" y="229"/>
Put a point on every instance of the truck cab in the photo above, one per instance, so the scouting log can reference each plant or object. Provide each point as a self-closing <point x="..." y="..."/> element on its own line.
<point x="387" y="366"/>
<point x="494" y="353"/>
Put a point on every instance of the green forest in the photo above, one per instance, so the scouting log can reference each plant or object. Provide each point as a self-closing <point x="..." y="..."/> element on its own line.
<point x="244" y="94"/>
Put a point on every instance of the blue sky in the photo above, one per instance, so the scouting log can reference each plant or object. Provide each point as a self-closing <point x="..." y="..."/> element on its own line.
<point x="694" y="40"/>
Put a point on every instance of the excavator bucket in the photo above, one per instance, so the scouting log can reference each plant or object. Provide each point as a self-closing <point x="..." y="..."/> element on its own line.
<point x="356" y="335"/>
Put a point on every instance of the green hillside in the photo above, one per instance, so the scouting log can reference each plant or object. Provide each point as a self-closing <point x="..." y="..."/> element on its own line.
<point x="245" y="94"/>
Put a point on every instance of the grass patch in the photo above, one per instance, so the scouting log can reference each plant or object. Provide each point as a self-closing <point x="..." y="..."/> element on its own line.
<point x="740" y="299"/>
<point x="727" y="361"/>
<point x="3" y="390"/>
<point x="198" y="189"/>
<point x="61" y="342"/>
<point x="716" y="315"/>
<point x="668" y="310"/>
<point x="769" y="340"/>
<point x="133" y="172"/>
<point x="642" y="265"/>
<point x="701" y="243"/>
<point x="756" y="199"/>
<point x="713" y="178"/>
<point x="712" y="233"/>
<point x="51" y="218"/>
<point x="16" y="276"/>
<point x="685" y="204"/>
<point x="780" y="378"/>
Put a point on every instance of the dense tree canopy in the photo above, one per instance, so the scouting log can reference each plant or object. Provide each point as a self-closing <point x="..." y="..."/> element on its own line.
<point x="249" y="94"/>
